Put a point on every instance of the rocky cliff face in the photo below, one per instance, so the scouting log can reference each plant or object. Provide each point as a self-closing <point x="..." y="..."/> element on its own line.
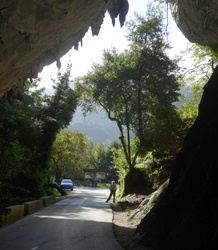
<point x="198" y="20"/>
<point x="36" y="33"/>
<point x="186" y="217"/>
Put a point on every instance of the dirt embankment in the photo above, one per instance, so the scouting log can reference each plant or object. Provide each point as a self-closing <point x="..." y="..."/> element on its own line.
<point x="128" y="213"/>
<point x="124" y="221"/>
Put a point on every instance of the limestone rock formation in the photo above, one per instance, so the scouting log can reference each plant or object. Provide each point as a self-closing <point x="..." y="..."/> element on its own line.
<point x="37" y="33"/>
<point x="186" y="217"/>
<point x="198" y="20"/>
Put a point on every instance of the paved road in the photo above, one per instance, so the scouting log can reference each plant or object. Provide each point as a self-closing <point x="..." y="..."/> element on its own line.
<point x="82" y="221"/>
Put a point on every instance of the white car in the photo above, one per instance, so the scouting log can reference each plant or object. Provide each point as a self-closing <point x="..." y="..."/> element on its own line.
<point x="67" y="184"/>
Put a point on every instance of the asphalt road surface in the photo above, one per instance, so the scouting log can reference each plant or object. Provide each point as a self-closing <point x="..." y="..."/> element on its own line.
<point x="82" y="221"/>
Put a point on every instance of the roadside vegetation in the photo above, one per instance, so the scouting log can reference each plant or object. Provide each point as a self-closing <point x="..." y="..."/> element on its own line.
<point x="152" y="99"/>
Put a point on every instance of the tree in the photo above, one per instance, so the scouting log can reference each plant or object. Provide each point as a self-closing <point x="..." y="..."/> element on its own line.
<point x="195" y="77"/>
<point x="57" y="113"/>
<point x="137" y="87"/>
<point x="28" y="129"/>
<point x="111" y="153"/>
<point x="98" y="155"/>
<point x="69" y="155"/>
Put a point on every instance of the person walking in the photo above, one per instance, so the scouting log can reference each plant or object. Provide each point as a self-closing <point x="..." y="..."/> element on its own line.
<point x="113" y="189"/>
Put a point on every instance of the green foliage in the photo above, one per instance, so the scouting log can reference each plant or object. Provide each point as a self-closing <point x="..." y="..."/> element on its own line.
<point x="137" y="88"/>
<point x="89" y="184"/>
<point x="195" y="77"/>
<point x="69" y="155"/>
<point x="96" y="156"/>
<point x="112" y="173"/>
<point x="121" y="168"/>
<point x="100" y="155"/>
<point x="57" y="112"/>
<point x="28" y="129"/>
<point x="73" y="151"/>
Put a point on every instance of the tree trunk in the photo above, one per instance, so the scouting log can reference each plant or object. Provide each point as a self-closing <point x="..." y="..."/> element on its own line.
<point x="60" y="190"/>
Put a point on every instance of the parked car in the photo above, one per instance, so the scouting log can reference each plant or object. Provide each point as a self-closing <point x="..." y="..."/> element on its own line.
<point x="67" y="184"/>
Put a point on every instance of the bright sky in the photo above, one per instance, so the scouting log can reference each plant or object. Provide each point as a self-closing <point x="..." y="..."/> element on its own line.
<point x="108" y="37"/>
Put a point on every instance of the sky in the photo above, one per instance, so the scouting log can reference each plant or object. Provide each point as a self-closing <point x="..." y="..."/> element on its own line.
<point x="109" y="36"/>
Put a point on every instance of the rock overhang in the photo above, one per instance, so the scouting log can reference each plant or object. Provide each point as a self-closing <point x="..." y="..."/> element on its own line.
<point x="34" y="34"/>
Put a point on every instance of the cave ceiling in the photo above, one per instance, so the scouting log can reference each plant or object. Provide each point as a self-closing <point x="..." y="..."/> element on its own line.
<point x="198" y="20"/>
<point x="34" y="34"/>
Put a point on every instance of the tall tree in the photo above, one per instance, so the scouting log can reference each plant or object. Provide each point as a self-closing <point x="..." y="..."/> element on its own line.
<point x="136" y="87"/>
<point x="56" y="113"/>
<point x="28" y="129"/>
<point x="112" y="173"/>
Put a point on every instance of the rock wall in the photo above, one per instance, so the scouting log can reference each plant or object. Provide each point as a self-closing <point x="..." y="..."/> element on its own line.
<point x="37" y="33"/>
<point x="198" y="20"/>
<point x="186" y="217"/>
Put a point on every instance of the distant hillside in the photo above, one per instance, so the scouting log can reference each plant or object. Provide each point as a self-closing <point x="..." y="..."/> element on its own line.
<point x="96" y="126"/>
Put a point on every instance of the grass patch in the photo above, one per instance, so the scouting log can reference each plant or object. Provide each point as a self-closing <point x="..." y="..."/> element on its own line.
<point x="89" y="184"/>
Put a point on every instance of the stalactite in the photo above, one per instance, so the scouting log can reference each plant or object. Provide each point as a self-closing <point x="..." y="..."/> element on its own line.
<point x="37" y="34"/>
<point x="118" y="8"/>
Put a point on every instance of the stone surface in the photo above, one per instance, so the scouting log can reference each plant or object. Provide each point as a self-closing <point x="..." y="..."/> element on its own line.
<point x="13" y="213"/>
<point x="198" y="20"/>
<point x="187" y="213"/>
<point x="10" y="214"/>
<point x="32" y="206"/>
<point x="37" y="33"/>
<point x="48" y="200"/>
